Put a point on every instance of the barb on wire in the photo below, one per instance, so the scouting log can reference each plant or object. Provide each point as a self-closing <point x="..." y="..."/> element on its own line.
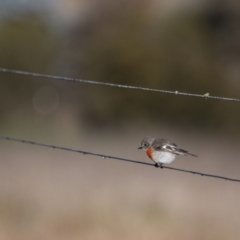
<point x="206" y="95"/>
<point x="112" y="157"/>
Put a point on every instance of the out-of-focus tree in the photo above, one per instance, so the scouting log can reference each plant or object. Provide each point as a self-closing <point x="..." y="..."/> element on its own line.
<point x="26" y="43"/>
<point x="125" y="44"/>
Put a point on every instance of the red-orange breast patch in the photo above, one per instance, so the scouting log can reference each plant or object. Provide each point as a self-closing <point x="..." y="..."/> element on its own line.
<point x="149" y="152"/>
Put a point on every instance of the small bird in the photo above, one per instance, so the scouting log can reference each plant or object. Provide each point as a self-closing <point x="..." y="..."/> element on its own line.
<point x="161" y="150"/>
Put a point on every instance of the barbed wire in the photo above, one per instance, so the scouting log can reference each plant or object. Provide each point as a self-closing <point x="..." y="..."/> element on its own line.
<point x="104" y="156"/>
<point x="206" y="95"/>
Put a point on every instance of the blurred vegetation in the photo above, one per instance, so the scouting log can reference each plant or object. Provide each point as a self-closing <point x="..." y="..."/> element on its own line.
<point x="126" y="43"/>
<point x="26" y="43"/>
<point x="130" y="46"/>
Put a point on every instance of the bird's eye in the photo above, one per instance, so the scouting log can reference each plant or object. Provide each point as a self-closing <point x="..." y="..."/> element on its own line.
<point x="145" y="145"/>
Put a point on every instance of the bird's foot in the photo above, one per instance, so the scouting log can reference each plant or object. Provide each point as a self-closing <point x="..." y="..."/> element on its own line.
<point x="157" y="165"/>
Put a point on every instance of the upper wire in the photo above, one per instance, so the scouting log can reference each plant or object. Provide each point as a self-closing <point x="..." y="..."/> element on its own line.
<point x="104" y="156"/>
<point x="206" y="95"/>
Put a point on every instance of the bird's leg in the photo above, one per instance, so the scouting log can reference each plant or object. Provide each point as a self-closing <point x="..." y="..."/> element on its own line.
<point x="157" y="165"/>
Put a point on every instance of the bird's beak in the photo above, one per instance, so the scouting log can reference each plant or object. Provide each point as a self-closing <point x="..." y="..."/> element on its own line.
<point x="140" y="148"/>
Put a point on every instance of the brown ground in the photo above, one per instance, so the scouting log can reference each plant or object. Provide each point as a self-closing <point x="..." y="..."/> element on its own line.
<point x="53" y="194"/>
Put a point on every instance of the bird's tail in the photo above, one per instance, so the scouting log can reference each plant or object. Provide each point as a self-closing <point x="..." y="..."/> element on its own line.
<point x="192" y="154"/>
<point x="187" y="153"/>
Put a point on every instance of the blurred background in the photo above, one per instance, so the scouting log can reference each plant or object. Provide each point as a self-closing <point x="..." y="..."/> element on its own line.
<point x="177" y="45"/>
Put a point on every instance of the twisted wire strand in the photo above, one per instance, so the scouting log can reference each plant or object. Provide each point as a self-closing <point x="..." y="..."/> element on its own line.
<point x="205" y="96"/>
<point x="104" y="156"/>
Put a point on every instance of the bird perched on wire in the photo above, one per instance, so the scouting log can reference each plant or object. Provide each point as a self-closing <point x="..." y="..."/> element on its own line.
<point x="162" y="151"/>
